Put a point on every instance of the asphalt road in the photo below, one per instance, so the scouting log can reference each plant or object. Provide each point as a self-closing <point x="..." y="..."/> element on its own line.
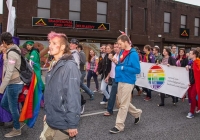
<point x="157" y="123"/>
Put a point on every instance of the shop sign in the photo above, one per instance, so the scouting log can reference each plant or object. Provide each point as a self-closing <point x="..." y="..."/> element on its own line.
<point x="184" y="33"/>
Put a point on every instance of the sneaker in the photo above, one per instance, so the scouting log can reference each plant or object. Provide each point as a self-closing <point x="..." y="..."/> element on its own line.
<point x="96" y="90"/>
<point x="190" y="116"/>
<point x="147" y="99"/>
<point x="114" y="130"/>
<point x="198" y="111"/>
<point x="91" y="97"/>
<point x="103" y="103"/>
<point x="13" y="133"/>
<point x="82" y="109"/>
<point x="137" y="120"/>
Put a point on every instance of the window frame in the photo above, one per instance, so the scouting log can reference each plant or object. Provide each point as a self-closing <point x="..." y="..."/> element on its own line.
<point x="44" y="8"/>
<point x="74" y="11"/>
<point x="101" y="13"/>
<point x="185" y="26"/>
<point x="196" y="27"/>
<point x="168" y="23"/>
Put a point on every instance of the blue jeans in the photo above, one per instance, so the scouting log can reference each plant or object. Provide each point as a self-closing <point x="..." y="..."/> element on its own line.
<point x="89" y="76"/>
<point x="10" y="102"/>
<point x="111" y="101"/>
<point x="83" y="86"/>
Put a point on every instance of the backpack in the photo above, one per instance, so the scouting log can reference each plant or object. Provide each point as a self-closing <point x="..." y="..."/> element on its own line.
<point x="25" y="69"/>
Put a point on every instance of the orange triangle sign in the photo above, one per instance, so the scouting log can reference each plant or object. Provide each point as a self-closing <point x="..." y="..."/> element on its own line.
<point x="102" y="27"/>
<point x="41" y="22"/>
<point x="184" y="33"/>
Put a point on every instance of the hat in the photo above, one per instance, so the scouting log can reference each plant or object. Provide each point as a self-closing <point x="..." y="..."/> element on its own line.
<point x="74" y="41"/>
<point x="29" y="43"/>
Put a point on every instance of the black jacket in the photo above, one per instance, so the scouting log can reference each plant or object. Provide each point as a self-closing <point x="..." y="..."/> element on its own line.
<point x="172" y="61"/>
<point x="62" y="95"/>
<point x="184" y="62"/>
<point x="106" y="67"/>
<point x="100" y="63"/>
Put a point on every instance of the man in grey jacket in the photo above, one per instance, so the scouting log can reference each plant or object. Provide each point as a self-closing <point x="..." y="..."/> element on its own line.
<point x="62" y="96"/>
<point x="11" y="85"/>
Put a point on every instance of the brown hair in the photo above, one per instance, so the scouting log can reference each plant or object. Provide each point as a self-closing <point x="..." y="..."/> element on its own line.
<point x="148" y="47"/>
<point x="157" y="48"/>
<point x="110" y="45"/>
<point x="168" y="50"/>
<point x="196" y="52"/>
<point x="124" y="38"/>
<point x="89" y="56"/>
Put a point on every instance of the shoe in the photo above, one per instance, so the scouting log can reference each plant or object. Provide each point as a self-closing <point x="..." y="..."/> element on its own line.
<point x="161" y="105"/>
<point x="13" y="133"/>
<point x="96" y="90"/>
<point x="147" y="99"/>
<point x="82" y="109"/>
<point x="91" y="97"/>
<point x="107" y="114"/>
<point x="137" y="120"/>
<point x="114" y="130"/>
<point x="190" y="116"/>
<point x="103" y="103"/>
<point x="139" y="92"/>
<point x="198" y="111"/>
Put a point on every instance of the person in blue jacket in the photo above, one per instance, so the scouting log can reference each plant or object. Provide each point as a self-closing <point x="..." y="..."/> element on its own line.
<point x="126" y="69"/>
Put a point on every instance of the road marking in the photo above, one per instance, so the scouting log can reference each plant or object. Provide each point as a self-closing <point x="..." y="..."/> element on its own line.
<point x="95" y="113"/>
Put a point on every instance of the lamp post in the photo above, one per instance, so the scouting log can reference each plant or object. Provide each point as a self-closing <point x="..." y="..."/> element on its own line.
<point x="126" y="18"/>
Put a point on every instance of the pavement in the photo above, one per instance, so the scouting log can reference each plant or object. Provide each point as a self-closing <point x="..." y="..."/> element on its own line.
<point x="157" y="123"/>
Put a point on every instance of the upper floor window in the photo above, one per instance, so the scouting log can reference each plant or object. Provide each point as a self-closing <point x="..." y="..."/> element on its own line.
<point x="196" y="27"/>
<point x="183" y="21"/>
<point x="44" y="8"/>
<point x="1" y="6"/>
<point x="167" y="20"/>
<point x="101" y="11"/>
<point x="74" y="9"/>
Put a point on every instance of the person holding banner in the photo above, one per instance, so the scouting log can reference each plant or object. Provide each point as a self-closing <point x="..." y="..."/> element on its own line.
<point x="169" y="61"/>
<point x="182" y="59"/>
<point x="127" y="65"/>
<point x="192" y="92"/>
<point x="149" y="58"/>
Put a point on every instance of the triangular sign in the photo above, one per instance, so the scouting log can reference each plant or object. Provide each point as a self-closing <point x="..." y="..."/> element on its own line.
<point x="41" y="22"/>
<point x="102" y="27"/>
<point x="184" y="33"/>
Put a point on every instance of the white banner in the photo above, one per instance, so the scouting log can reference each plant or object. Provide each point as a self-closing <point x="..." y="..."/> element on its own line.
<point x="11" y="17"/>
<point x="161" y="78"/>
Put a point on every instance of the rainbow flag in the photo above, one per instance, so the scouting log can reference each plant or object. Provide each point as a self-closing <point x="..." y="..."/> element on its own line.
<point x="31" y="106"/>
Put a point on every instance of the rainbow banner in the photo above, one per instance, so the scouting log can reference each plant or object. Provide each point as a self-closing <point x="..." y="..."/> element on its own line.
<point x="161" y="78"/>
<point x="31" y="106"/>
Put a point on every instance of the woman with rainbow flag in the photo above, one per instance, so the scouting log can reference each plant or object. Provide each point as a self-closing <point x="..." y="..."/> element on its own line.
<point x="31" y="106"/>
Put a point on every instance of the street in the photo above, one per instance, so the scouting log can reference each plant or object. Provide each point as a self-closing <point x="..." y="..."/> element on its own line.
<point x="157" y="123"/>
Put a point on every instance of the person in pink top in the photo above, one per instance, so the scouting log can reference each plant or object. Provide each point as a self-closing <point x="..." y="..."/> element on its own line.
<point x="92" y="69"/>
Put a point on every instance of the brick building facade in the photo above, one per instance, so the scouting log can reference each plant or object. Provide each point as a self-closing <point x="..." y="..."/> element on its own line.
<point x="146" y="21"/>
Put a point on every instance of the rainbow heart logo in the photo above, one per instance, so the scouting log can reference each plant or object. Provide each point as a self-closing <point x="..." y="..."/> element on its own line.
<point x="156" y="77"/>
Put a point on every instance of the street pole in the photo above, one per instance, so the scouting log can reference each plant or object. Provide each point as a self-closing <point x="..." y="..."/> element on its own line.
<point x="126" y="18"/>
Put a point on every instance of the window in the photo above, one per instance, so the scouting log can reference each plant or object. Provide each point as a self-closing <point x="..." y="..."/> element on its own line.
<point x="196" y="27"/>
<point x="74" y="9"/>
<point x="167" y="18"/>
<point x="145" y="19"/>
<point x="183" y="21"/>
<point x="1" y="6"/>
<point x="44" y="8"/>
<point x="101" y="11"/>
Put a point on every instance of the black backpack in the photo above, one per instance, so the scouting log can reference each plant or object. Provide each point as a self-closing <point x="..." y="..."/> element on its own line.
<point x="25" y="69"/>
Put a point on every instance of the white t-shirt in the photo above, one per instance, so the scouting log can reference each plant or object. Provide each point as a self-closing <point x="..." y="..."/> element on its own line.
<point x="112" y="72"/>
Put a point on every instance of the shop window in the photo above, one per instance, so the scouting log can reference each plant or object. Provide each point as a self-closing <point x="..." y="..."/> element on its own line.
<point x="101" y="11"/>
<point x="44" y="8"/>
<point x="196" y="27"/>
<point x="74" y="9"/>
<point x="183" y="21"/>
<point x="167" y="20"/>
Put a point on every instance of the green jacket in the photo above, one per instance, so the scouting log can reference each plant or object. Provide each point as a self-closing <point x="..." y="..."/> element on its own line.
<point x="158" y="59"/>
